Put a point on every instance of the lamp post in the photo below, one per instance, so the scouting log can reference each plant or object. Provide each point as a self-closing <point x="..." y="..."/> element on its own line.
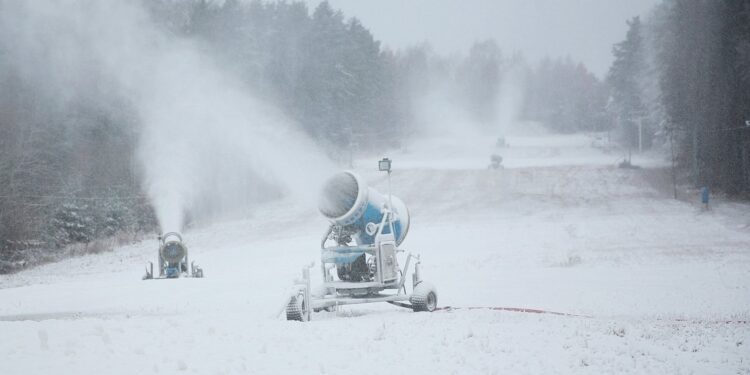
<point x="640" y="135"/>
<point x="671" y="150"/>
<point x="384" y="165"/>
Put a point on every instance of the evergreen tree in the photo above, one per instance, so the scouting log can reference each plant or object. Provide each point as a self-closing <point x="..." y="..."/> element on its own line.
<point x="624" y="80"/>
<point x="479" y="80"/>
<point x="566" y="97"/>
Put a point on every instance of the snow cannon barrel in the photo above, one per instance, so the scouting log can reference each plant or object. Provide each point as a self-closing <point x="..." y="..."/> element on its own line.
<point x="347" y="201"/>
<point x="172" y="250"/>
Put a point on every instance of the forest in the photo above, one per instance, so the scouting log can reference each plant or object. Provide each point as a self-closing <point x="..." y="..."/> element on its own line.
<point x="683" y="76"/>
<point x="70" y="182"/>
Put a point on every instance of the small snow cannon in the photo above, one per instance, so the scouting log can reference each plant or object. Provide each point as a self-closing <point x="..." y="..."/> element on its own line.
<point x="173" y="259"/>
<point x="359" y="252"/>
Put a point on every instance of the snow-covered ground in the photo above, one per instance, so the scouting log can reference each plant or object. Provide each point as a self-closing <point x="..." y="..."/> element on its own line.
<point x="653" y="285"/>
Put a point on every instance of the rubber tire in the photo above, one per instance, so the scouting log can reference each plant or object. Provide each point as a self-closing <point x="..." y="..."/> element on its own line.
<point x="295" y="309"/>
<point x="424" y="297"/>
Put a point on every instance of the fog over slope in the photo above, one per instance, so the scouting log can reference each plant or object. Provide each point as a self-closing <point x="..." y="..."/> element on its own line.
<point x="206" y="144"/>
<point x="561" y="222"/>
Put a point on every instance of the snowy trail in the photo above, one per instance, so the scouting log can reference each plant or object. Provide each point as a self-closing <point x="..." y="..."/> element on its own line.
<point x="661" y="287"/>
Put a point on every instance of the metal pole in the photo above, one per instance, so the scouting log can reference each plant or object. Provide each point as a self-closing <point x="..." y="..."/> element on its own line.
<point x="674" y="176"/>
<point x="390" y="208"/>
<point x="390" y="201"/>
<point x="696" y="170"/>
<point x="640" y="136"/>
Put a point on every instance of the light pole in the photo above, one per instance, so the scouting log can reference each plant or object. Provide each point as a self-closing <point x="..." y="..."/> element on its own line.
<point x="640" y="135"/>
<point x="384" y="165"/>
<point x="674" y="173"/>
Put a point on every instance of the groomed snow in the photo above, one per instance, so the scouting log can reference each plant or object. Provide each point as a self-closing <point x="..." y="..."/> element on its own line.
<point x="655" y="285"/>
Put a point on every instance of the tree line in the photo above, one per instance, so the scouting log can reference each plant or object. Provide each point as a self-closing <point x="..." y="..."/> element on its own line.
<point x="683" y="76"/>
<point x="68" y="138"/>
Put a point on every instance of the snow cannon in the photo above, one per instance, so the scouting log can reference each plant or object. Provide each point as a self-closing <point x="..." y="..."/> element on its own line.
<point x="173" y="259"/>
<point x="364" y="271"/>
<point x="348" y="203"/>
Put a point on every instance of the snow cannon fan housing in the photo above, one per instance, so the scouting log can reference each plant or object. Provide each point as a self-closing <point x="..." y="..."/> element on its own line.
<point x="173" y="252"/>
<point x="347" y="201"/>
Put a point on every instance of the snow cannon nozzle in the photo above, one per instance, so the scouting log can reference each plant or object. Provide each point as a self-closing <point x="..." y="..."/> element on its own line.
<point x="347" y="201"/>
<point x="340" y="195"/>
<point x="172" y="248"/>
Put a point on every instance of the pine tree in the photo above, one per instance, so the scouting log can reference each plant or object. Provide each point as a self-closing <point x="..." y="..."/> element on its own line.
<point x="623" y="80"/>
<point x="479" y="80"/>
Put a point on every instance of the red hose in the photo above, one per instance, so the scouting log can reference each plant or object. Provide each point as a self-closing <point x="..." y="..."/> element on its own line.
<point x="539" y="311"/>
<point x="512" y="309"/>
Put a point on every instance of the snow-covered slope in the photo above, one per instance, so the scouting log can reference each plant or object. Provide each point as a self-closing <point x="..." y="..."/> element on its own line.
<point x="656" y="285"/>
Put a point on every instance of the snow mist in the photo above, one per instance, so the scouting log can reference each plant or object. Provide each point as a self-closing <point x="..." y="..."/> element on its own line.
<point x="439" y="113"/>
<point x="207" y="146"/>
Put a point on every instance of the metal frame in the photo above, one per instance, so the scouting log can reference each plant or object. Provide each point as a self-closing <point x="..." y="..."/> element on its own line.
<point x="334" y="299"/>
<point x="349" y="293"/>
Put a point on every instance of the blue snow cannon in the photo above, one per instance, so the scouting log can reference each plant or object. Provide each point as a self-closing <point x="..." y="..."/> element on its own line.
<point x="347" y="202"/>
<point x="359" y="272"/>
<point x="173" y="259"/>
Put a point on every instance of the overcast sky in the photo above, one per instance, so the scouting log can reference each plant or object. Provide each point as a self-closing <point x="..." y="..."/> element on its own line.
<point x="582" y="29"/>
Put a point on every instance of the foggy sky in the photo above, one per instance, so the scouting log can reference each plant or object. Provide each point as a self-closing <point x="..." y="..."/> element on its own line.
<point x="582" y="29"/>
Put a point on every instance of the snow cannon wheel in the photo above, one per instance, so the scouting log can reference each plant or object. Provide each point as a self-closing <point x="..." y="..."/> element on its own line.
<point x="295" y="309"/>
<point x="424" y="297"/>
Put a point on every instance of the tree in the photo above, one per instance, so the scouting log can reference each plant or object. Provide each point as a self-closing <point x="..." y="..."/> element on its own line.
<point x="478" y="79"/>
<point x="565" y="96"/>
<point x="699" y="82"/>
<point x="623" y="79"/>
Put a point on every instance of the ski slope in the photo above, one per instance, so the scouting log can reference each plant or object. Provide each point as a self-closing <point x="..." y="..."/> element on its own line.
<point x="649" y="284"/>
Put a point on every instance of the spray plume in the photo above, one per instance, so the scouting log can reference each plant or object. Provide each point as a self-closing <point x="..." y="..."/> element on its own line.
<point x="206" y="144"/>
